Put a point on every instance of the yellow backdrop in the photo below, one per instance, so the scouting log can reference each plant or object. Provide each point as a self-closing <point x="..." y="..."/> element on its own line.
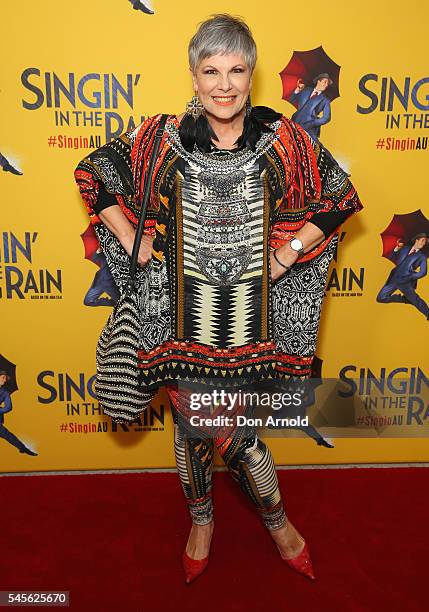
<point x="88" y="70"/>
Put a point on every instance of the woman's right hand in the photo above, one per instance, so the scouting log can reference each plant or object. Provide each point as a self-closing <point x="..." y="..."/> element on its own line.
<point x="145" y="251"/>
<point x="115" y="220"/>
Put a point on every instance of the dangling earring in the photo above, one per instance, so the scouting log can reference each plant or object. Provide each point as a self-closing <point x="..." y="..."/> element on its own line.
<point x="194" y="107"/>
<point x="248" y="106"/>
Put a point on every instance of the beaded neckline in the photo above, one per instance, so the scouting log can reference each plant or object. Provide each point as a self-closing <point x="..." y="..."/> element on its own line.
<point x="226" y="162"/>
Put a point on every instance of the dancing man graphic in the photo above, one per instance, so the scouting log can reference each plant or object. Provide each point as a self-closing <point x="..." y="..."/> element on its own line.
<point x="411" y="264"/>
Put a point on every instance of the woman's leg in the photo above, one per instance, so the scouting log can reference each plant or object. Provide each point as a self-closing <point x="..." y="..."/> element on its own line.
<point x="251" y="464"/>
<point x="194" y="460"/>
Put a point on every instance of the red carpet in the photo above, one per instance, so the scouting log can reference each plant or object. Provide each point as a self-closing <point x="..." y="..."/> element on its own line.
<point x="115" y="542"/>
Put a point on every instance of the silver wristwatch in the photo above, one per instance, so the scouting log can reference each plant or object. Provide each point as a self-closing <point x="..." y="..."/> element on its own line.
<point x="296" y="245"/>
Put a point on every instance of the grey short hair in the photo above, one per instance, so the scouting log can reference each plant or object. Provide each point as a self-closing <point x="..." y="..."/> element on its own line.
<point x="222" y="33"/>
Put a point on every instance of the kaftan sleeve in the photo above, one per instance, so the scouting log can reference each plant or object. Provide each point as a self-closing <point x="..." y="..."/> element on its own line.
<point x="328" y="222"/>
<point x="338" y="198"/>
<point x="321" y="186"/>
<point x="105" y="178"/>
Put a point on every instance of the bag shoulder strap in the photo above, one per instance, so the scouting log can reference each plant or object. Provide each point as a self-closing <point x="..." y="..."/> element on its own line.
<point x="148" y="183"/>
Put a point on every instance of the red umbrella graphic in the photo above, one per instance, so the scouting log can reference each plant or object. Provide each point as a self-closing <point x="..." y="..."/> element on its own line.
<point x="404" y="227"/>
<point x="304" y="66"/>
<point x="90" y="242"/>
<point x="10" y="369"/>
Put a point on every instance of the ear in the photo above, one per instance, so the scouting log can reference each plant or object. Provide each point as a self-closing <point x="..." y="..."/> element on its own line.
<point x="194" y="80"/>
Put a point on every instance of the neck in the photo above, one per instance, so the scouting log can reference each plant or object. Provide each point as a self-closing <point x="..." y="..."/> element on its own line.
<point x="227" y="130"/>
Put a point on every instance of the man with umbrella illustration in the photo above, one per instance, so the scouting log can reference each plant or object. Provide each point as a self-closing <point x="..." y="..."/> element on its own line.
<point x="6" y="406"/>
<point x="103" y="280"/>
<point x="103" y="283"/>
<point x="314" y="107"/>
<point x="310" y="82"/>
<point x="411" y="264"/>
<point x="143" y="5"/>
<point x="7" y="166"/>
<point x="307" y="398"/>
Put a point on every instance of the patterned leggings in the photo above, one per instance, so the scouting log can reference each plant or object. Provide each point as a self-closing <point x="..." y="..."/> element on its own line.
<point x="247" y="458"/>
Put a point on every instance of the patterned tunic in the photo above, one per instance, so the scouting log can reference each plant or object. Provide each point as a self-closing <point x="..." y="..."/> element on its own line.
<point x="210" y="309"/>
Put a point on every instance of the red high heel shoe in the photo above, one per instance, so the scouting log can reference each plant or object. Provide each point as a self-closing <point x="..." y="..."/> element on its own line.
<point x="194" y="567"/>
<point x="301" y="563"/>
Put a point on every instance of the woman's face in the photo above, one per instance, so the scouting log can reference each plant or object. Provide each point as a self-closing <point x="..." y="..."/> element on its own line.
<point x="223" y="84"/>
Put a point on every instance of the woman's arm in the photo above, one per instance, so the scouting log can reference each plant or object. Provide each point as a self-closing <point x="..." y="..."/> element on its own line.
<point x="310" y="236"/>
<point x="115" y="221"/>
<point x="327" y="222"/>
<point x="106" y="183"/>
<point x="331" y="202"/>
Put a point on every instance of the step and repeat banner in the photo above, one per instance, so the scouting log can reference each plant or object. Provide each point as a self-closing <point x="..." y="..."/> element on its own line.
<point x="76" y="75"/>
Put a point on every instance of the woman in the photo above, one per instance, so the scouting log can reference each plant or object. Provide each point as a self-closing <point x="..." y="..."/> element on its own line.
<point x="239" y="233"/>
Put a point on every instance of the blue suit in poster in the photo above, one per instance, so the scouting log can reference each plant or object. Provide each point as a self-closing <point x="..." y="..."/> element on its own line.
<point x="309" y="109"/>
<point x="103" y="283"/>
<point x="6" y="406"/>
<point x="409" y="268"/>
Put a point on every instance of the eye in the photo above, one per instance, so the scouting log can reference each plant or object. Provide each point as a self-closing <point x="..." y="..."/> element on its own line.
<point x="238" y="70"/>
<point x="210" y="71"/>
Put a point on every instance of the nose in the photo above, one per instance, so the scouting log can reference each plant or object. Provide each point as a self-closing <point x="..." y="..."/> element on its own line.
<point x="224" y="83"/>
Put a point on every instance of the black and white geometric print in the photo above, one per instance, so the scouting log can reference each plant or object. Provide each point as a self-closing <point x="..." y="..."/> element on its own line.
<point x="151" y="289"/>
<point x="336" y="178"/>
<point x="297" y="301"/>
<point x="109" y="173"/>
<point x="117" y="258"/>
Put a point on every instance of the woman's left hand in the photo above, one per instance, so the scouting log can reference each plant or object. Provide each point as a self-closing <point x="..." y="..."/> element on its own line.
<point x="286" y="255"/>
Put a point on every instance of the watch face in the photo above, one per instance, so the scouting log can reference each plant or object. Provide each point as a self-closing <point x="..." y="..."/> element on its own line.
<point x="296" y="244"/>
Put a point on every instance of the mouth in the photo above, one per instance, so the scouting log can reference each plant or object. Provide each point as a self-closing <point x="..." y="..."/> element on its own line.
<point x="224" y="100"/>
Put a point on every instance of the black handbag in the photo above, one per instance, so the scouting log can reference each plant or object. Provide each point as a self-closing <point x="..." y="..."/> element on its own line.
<point x="117" y="386"/>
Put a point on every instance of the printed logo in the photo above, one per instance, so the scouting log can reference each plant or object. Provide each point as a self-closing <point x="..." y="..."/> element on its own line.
<point x="399" y="104"/>
<point x="397" y="397"/>
<point x="19" y="277"/>
<point x="87" y="101"/>
<point x="345" y="281"/>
